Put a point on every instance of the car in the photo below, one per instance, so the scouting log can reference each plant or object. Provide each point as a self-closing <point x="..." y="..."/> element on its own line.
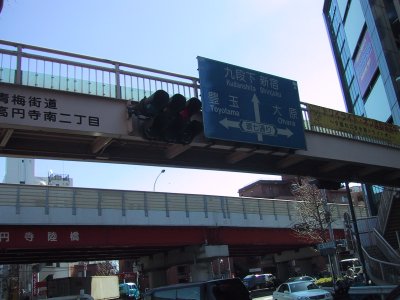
<point x="220" y="289"/>
<point x="301" y="278"/>
<point x="300" y="290"/>
<point x="258" y="281"/>
<point x="129" y="290"/>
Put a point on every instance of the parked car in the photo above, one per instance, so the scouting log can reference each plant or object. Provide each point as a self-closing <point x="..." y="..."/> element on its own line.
<point x="129" y="290"/>
<point x="301" y="278"/>
<point x="221" y="289"/>
<point x="259" y="281"/>
<point x="300" y="290"/>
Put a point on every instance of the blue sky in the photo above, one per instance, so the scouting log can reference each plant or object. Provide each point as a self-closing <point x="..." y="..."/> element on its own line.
<point x="286" y="38"/>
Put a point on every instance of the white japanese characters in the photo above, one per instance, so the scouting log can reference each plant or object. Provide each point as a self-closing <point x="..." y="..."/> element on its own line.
<point x="29" y="236"/>
<point x="258" y="84"/>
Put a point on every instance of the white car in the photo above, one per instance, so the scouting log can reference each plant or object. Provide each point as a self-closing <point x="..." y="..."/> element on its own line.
<point x="300" y="290"/>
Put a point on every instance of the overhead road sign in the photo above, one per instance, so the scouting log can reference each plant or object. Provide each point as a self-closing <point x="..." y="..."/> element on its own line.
<point x="244" y="105"/>
<point x="327" y="248"/>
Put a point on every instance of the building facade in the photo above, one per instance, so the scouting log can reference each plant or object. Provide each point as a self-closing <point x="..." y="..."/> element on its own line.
<point x="365" y="41"/>
<point x="283" y="189"/>
<point x="17" y="281"/>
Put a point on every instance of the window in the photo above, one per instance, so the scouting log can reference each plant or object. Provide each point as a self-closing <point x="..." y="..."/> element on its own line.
<point x="377" y="103"/>
<point x="189" y="293"/>
<point x="354" y="24"/>
<point x="283" y="288"/>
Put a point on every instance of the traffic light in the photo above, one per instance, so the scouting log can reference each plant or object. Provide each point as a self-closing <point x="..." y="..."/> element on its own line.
<point x="152" y="105"/>
<point x="169" y="119"/>
<point x="192" y="126"/>
<point x="166" y="123"/>
<point x="326" y="184"/>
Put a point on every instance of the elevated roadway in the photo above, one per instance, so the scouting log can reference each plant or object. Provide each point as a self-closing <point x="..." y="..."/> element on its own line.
<point x="45" y="223"/>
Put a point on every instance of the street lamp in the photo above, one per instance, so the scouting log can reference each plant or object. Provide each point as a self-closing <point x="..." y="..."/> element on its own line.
<point x="155" y="181"/>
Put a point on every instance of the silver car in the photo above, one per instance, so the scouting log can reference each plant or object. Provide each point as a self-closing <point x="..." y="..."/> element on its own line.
<point x="300" y="290"/>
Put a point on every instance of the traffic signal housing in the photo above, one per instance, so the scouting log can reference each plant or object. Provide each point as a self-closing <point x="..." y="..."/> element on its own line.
<point x="170" y="119"/>
<point x="326" y="184"/>
<point x="152" y="105"/>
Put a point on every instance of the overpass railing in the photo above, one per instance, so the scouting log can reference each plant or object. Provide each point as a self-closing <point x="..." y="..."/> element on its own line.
<point x="59" y="70"/>
<point x="382" y="272"/>
<point x="52" y="69"/>
<point x="20" y="197"/>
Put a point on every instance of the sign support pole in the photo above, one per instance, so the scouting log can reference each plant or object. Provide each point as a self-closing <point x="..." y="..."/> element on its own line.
<point x="357" y="234"/>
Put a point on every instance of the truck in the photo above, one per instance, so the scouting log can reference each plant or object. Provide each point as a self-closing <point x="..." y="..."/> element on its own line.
<point x="98" y="287"/>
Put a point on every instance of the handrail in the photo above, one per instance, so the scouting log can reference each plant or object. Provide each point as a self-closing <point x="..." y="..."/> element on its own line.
<point x="88" y="75"/>
<point x="385" y="247"/>
<point x="384" y="208"/>
<point x="92" y="58"/>
<point x="384" y="271"/>
<point x="72" y="74"/>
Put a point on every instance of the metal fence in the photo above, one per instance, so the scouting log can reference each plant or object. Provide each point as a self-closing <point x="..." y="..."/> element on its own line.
<point x="58" y="70"/>
<point x="48" y="198"/>
<point x="381" y="271"/>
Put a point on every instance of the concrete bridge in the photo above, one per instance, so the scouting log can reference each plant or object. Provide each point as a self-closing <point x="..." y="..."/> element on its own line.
<point x="46" y="223"/>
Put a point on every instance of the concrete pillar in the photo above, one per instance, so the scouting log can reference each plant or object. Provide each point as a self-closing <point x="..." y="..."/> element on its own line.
<point x="157" y="278"/>
<point x="282" y="271"/>
<point x="201" y="271"/>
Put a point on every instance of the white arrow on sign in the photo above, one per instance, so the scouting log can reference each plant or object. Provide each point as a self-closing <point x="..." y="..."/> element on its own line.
<point x="256" y="107"/>
<point x="285" y="131"/>
<point x="228" y="123"/>
<point x="249" y="126"/>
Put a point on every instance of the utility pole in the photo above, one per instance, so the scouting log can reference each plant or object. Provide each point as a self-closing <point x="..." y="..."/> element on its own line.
<point x="356" y="233"/>
<point x="335" y="264"/>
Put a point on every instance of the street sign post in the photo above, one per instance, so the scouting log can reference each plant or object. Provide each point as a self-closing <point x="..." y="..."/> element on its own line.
<point x="327" y="248"/>
<point x="243" y="105"/>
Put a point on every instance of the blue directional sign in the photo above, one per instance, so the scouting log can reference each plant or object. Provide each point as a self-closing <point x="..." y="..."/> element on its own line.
<point x="243" y="105"/>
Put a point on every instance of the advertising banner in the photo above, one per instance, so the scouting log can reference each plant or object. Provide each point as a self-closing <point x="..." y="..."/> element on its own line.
<point x="365" y="63"/>
<point x="356" y="125"/>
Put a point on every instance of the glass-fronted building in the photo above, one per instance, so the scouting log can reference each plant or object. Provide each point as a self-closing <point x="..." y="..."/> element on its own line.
<point x="365" y="41"/>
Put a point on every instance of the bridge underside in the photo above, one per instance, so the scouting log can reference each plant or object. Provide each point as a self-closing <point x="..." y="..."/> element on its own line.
<point x="118" y="138"/>
<point x="201" y="154"/>
<point x="112" y="243"/>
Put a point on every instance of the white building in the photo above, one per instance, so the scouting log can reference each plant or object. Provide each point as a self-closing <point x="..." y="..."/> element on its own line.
<point x="22" y="171"/>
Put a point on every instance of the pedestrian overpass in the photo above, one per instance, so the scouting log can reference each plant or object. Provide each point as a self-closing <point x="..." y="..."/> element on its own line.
<point x="68" y="106"/>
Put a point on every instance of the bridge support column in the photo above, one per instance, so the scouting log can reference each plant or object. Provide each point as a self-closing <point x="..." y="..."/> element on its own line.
<point x="198" y="257"/>
<point x="157" y="278"/>
<point x="201" y="271"/>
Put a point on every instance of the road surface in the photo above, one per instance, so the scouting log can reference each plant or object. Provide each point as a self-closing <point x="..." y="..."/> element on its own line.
<point x="264" y="294"/>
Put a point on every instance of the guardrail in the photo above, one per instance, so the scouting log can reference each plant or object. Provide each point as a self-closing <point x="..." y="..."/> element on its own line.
<point x="50" y="197"/>
<point x="385" y="205"/>
<point x="53" y="69"/>
<point x="367" y="292"/>
<point x="380" y="271"/>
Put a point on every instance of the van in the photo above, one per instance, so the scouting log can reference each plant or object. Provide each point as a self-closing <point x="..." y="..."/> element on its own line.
<point x="129" y="290"/>
<point x="259" y="281"/>
<point x="220" y="289"/>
